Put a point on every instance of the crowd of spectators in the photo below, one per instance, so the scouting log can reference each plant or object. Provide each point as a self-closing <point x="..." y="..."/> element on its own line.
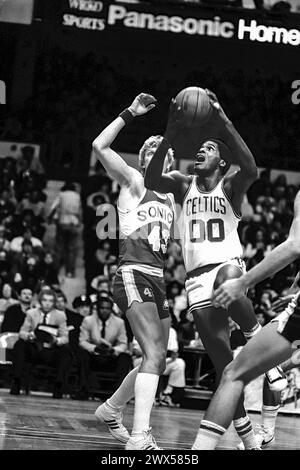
<point x="69" y="90"/>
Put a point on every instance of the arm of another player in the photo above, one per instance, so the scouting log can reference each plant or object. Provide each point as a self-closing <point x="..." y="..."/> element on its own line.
<point x="114" y="164"/>
<point x="155" y="179"/>
<point x="236" y="184"/>
<point x="280" y="257"/>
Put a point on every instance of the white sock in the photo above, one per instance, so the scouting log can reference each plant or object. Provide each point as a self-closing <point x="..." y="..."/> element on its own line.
<point x="249" y="334"/>
<point x="208" y="436"/>
<point x="245" y="432"/>
<point x="144" y="391"/>
<point x="268" y="417"/>
<point x="125" y="392"/>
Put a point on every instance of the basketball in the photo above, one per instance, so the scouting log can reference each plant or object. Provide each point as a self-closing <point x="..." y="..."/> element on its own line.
<point x="195" y="105"/>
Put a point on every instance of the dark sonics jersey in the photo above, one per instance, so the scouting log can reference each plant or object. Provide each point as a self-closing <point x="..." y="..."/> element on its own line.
<point x="145" y="231"/>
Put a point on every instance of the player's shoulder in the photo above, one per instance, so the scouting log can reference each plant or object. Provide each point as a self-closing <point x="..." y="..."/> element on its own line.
<point x="179" y="176"/>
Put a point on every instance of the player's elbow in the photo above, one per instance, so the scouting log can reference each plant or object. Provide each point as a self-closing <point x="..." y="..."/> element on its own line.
<point x="252" y="173"/>
<point x="99" y="147"/>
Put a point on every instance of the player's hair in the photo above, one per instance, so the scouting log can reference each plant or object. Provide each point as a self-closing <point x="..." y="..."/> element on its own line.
<point x="150" y="142"/>
<point x="225" y="152"/>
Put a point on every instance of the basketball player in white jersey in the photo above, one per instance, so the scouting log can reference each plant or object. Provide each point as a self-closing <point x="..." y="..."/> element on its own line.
<point x="211" y="201"/>
<point x="145" y="220"/>
<point x="275" y="343"/>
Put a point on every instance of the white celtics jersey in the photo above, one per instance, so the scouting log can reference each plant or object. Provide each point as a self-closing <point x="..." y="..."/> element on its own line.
<point x="208" y="227"/>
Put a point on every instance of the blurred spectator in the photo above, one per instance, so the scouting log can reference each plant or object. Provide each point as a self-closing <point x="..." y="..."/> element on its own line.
<point x="101" y="283"/>
<point x="67" y="211"/>
<point x="27" y="161"/>
<point x="261" y="318"/>
<point x="17" y="242"/>
<point x="43" y="339"/>
<point x="48" y="271"/>
<point x="8" y="298"/>
<point x="73" y="320"/>
<point x="104" y="343"/>
<point x="15" y="314"/>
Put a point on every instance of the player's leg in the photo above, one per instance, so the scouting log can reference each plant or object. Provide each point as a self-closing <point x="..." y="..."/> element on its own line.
<point x="263" y="352"/>
<point x="213" y="327"/>
<point x="147" y="329"/>
<point x="131" y="293"/>
<point x="270" y="408"/>
<point x="242" y="312"/>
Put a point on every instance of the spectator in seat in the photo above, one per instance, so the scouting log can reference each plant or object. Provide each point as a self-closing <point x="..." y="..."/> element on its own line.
<point x="43" y="339"/>
<point x="104" y="342"/>
<point x="100" y="283"/>
<point x="48" y="272"/>
<point x="28" y="161"/>
<point x="15" y="315"/>
<point x="17" y="242"/>
<point x="82" y="305"/>
<point x="30" y="273"/>
<point x="7" y="204"/>
<point x="73" y="320"/>
<point x="8" y="298"/>
<point x="175" y="370"/>
<point x="68" y="212"/>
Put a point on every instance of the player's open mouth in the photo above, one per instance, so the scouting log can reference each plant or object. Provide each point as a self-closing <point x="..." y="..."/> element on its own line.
<point x="200" y="158"/>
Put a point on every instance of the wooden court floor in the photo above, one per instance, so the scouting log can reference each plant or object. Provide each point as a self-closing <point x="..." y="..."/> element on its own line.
<point x="41" y="423"/>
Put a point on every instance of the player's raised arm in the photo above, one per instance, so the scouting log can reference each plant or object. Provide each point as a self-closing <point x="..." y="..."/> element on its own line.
<point x="241" y="154"/>
<point x="114" y="164"/>
<point x="281" y="256"/>
<point x="155" y="178"/>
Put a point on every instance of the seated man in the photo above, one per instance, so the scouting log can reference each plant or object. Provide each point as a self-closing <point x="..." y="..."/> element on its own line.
<point x="43" y="339"/>
<point x="15" y="314"/>
<point x="103" y="340"/>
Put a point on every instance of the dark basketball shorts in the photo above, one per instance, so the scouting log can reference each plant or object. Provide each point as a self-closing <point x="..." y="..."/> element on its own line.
<point x="135" y="286"/>
<point x="289" y="321"/>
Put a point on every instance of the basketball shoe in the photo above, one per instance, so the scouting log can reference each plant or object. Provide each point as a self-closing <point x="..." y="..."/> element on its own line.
<point x="264" y="438"/>
<point x="146" y="442"/>
<point x="112" y="417"/>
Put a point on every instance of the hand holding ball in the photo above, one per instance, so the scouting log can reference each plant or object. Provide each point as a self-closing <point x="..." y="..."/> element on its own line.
<point x="195" y="105"/>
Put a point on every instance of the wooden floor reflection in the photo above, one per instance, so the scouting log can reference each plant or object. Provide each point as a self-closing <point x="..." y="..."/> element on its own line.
<point x="41" y="423"/>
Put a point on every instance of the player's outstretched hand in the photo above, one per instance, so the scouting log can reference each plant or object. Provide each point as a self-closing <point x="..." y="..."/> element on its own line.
<point x="216" y="105"/>
<point x="228" y="292"/>
<point x="142" y="104"/>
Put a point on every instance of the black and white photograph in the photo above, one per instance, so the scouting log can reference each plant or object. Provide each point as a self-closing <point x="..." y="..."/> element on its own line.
<point x="149" y="228"/>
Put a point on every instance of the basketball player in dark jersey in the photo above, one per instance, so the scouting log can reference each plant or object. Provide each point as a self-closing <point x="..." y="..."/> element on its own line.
<point x="211" y="202"/>
<point x="145" y="220"/>
<point x="274" y="344"/>
<point x="272" y="399"/>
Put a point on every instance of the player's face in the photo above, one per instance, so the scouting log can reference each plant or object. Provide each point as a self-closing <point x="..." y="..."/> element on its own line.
<point x="149" y="154"/>
<point x="207" y="158"/>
